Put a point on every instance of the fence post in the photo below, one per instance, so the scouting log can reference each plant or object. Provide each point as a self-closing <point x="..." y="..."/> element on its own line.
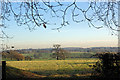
<point x="3" y="70"/>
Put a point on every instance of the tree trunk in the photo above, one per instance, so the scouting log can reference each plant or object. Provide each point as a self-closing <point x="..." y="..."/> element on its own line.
<point x="57" y="57"/>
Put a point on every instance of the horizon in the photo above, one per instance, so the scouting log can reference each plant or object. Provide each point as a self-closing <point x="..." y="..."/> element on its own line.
<point x="64" y="47"/>
<point x="73" y="35"/>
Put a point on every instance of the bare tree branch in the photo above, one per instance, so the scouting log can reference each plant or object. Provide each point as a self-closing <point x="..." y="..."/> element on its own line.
<point x="36" y="13"/>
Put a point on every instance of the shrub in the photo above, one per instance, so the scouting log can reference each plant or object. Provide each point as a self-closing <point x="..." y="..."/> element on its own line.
<point x="107" y="66"/>
<point x="28" y="58"/>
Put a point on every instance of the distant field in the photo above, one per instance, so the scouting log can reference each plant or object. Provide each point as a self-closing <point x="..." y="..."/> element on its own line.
<point x="55" y="68"/>
<point x="69" y="55"/>
<point x="65" y="59"/>
<point x="78" y="52"/>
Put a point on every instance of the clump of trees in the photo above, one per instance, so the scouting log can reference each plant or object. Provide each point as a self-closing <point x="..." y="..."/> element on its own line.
<point x="12" y="55"/>
<point x="28" y="58"/>
<point x="108" y="65"/>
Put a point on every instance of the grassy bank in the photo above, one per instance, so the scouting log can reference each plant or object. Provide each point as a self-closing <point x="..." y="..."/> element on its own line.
<point x="55" y="68"/>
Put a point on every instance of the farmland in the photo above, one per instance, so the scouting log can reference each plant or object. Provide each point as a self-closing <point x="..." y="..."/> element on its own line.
<point x="56" y="68"/>
<point x="76" y="64"/>
<point x="71" y="55"/>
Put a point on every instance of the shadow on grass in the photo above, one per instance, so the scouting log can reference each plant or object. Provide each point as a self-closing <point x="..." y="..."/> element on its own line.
<point x="64" y="73"/>
<point x="14" y="73"/>
<point x="17" y="74"/>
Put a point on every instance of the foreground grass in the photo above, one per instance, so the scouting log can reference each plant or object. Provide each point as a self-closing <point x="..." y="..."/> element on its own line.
<point x="18" y="74"/>
<point x="55" y="68"/>
<point x="12" y="72"/>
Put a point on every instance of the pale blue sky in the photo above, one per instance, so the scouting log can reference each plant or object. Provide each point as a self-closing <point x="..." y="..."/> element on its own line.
<point x="73" y="35"/>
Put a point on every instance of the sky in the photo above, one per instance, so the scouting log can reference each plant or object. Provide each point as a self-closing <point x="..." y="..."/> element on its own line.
<point x="73" y="35"/>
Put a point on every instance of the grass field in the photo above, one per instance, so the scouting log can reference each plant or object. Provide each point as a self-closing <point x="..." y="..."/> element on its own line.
<point x="56" y="68"/>
<point x="69" y="55"/>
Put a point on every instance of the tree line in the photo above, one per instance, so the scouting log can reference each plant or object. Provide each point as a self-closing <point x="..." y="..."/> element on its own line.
<point x="71" y="49"/>
<point x="14" y="55"/>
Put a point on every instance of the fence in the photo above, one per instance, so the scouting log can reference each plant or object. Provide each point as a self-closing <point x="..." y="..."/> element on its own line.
<point x="3" y="70"/>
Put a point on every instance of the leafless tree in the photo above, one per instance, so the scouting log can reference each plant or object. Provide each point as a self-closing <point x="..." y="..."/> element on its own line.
<point x="59" y="52"/>
<point x="34" y="12"/>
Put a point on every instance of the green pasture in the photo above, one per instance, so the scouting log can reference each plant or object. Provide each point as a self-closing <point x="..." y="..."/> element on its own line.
<point x="71" y="55"/>
<point x="56" y="68"/>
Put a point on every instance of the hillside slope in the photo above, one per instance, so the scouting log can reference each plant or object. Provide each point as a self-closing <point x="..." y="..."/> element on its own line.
<point x="19" y="74"/>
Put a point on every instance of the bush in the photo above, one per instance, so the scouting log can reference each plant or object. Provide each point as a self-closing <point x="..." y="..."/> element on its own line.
<point x="28" y="58"/>
<point x="13" y="55"/>
<point x="107" y="66"/>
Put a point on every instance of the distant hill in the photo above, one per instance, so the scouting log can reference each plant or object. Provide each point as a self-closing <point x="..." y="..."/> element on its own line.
<point x="92" y="49"/>
<point x="74" y="49"/>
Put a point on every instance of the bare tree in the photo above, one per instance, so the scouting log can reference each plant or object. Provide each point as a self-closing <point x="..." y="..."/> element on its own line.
<point x="56" y="49"/>
<point x="26" y="13"/>
<point x="59" y="52"/>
